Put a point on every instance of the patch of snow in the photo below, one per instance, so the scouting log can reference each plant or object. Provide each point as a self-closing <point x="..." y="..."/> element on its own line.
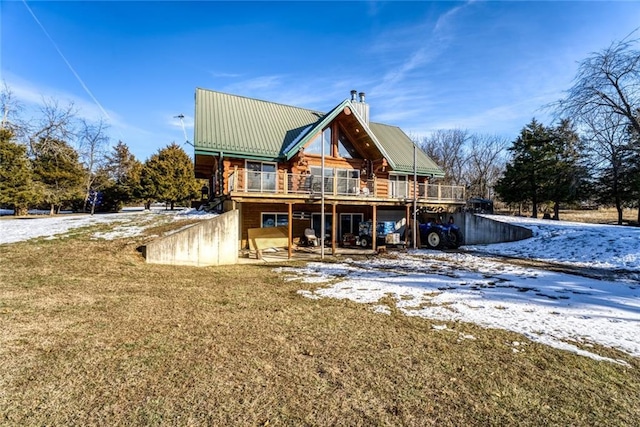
<point x="573" y="243"/>
<point x="128" y="223"/>
<point x="381" y="309"/>
<point x="564" y="311"/>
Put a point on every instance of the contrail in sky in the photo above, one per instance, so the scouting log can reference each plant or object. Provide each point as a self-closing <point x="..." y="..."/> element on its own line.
<point x="84" y="86"/>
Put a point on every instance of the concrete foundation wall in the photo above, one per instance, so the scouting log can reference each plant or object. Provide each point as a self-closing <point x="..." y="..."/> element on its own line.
<point x="211" y="242"/>
<point x="479" y="230"/>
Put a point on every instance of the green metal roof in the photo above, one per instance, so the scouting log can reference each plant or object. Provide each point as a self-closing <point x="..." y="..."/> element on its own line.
<point x="399" y="147"/>
<point x="245" y="126"/>
<point x="251" y="128"/>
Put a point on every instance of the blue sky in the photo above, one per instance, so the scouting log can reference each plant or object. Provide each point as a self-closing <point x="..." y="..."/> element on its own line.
<point x="487" y="67"/>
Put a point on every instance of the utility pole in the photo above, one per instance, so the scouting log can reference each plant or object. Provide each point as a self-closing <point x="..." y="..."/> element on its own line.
<point x="415" y="195"/>
<point x="322" y="224"/>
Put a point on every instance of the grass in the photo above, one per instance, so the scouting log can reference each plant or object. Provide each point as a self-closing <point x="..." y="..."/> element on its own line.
<point x="601" y="216"/>
<point x="91" y="335"/>
<point x="595" y="216"/>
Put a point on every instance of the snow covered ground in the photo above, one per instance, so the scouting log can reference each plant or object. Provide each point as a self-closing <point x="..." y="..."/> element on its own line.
<point x="129" y="222"/>
<point x="573" y="243"/>
<point x="566" y="311"/>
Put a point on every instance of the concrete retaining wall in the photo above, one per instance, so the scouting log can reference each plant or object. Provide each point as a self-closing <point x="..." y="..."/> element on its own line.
<point x="211" y="242"/>
<point x="479" y="230"/>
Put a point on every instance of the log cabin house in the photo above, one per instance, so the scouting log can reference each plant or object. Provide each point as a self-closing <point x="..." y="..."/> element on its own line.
<point x="266" y="160"/>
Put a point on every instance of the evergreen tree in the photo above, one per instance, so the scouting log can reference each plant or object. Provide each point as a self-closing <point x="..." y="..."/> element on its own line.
<point x="57" y="167"/>
<point x="567" y="175"/>
<point x="124" y="172"/>
<point x="168" y="176"/>
<point x="526" y="177"/>
<point x="17" y="188"/>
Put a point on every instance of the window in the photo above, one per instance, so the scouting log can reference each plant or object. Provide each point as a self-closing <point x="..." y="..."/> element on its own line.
<point x="316" y="223"/>
<point x="315" y="146"/>
<point x="316" y="173"/>
<point x="348" y="181"/>
<point x="261" y="177"/>
<point x="345" y="148"/>
<point x="398" y="185"/>
<point x="350" y="223"/>
<point x="274" y="220"/>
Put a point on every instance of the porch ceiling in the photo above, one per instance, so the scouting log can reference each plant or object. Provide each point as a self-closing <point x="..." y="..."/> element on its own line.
<point x="204" y="166"/>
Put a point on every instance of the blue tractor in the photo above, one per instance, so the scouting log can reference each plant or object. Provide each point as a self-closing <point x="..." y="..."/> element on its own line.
<point x="436" y="235"/>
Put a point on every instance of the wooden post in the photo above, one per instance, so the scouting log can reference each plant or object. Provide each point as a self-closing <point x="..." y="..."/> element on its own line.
<point x="334" y="210"/>
<point x="407" y="225"/>
<point x="238" y="206"/>
<point x="236" y="184"/>
<point x="286" y="184"/>
<point x="374" y="227"/>
<point x="290" y="230"/>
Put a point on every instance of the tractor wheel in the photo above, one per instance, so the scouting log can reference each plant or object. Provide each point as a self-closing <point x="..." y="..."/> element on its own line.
<point x="435" y="239"/>
<point x="363" y="242"/>
<point x="455" y="239"/>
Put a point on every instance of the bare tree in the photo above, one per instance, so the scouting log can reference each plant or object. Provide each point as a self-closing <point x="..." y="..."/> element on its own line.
<point x="55" y="124"/>
<point x="92" y="149"/>
<point x="11" y="108"/>
<point x="608" y="137"/>
<point x="605" y="100"/>
<point x="447" y="148"/>
<point x="485" y="163"/>
<point x="607" y="81"/>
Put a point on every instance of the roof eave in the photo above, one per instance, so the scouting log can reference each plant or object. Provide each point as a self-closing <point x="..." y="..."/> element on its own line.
<point x="236" y="154"/>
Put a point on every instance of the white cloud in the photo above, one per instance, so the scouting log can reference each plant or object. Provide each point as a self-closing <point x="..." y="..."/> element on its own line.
<point x="445" y="20"/>
<point x="217" y="74"/>
<point x="141" y="141"/>
<point x="255" y="84"/>
<point x="34" y="96"/>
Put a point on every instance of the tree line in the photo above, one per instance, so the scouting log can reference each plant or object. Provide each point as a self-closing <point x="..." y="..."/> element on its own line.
<point x="590" y="155"/>
<point x="58" y="160"/>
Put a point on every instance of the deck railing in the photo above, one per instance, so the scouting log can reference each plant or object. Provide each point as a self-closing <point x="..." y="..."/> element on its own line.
<point x="291" y="183"/>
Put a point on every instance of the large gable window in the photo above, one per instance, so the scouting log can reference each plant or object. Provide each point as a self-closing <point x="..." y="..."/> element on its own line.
<point x="315" y="147"/>
<point x="345" y="148"/>
<point x="261" y="177"/>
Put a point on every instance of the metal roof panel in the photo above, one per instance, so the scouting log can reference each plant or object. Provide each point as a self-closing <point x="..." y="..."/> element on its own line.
<point x="251" y="127"/>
